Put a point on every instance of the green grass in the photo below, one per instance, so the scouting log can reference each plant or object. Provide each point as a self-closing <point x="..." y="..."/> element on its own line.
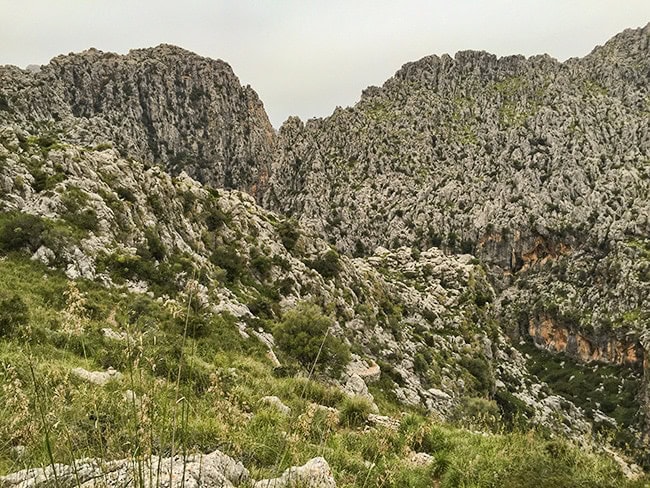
<point x="198" y="386"/>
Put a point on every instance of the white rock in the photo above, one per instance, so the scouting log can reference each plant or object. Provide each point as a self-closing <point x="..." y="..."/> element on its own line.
<point x="383" y="421"/>
<point x="439" y="394"/>
<point x="368" y="371"/>
<point x="116" y="336"/>
<point x="315" y="473"/>
<point x="276" y="403"/>
<point x="420" y="459"/>
<point x="97" y="377"/>
<point x="214" y="470"/>
<point x="44" y="255"/>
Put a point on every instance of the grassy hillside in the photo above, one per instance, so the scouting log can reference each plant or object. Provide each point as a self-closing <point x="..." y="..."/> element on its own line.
<point x="191" y="382"/>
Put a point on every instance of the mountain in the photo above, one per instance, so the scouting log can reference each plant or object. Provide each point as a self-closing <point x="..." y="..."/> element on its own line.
<point x="164" y="104"/>
<point x="539" y="168"/>
<point x="465" y="250"/>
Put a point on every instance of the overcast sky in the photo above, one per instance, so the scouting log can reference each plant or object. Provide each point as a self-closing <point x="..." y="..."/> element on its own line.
<point x="305" y="57"/>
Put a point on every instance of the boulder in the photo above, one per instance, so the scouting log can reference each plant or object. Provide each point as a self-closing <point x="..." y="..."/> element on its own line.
<point x="97" y="377"/>
<point x="315" y="473"/>
<point x="276" y="403"/>
<point x="213" y="470"/>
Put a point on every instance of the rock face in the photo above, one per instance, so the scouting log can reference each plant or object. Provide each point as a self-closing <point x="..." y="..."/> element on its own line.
<point x="214" y="470"/>
<point x="539" y="168"/>
<point x="517" y="159"/>
<point x="314" y="474"/>
<point x="557" y="338"/>
<point x="164" y="105"/>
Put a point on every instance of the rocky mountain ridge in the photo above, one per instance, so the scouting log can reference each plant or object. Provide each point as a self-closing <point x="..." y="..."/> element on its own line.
<point x="113" y="169"/>
<point x="164" y="105"/>
<point x="418" y="325"/>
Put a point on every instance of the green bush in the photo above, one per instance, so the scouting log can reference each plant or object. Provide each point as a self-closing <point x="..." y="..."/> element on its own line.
<point x="126" y="194"/>
<point x="289" y="233"/>
<point x="513" y="410"/>
<point x="261" y="263"/>
<point x="327" y="265"/>
<point x="85" y="219"/>
<point x="155" y="247"/>
<point x="40" y="179"/>
<point x="472" y="411"/>
<point x="77" y="213"/>
<point x="301" y="334"/>
<point x="481" y="370"/>
<point x="228" y="259"/>
<point x="20" y="230"/>
<point x="13" y="314"/>
<point x="354" y="411"/>
<point x="215" y="218"/>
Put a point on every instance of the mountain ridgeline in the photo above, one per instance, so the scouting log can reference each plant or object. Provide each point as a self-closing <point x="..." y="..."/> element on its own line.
<point x="166" y="105"/>
<point x="477" y="228"/>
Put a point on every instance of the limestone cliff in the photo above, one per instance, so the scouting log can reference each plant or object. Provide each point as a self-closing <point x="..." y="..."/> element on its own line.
<point x="164" y="105"/>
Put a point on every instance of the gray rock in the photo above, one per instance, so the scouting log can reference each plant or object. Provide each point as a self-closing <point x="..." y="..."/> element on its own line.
<point x="315" y="473"/>
<point x="421" y="459"/>
<point x="214" y="470"/>
<point x="276" y="403"/>
<point x="97" y="377"/>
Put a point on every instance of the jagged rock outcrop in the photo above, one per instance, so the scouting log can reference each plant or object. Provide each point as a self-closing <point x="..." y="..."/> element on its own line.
<point x="213" y="470"/>
<point x="539" y="168"/>
<point x="508" y="157"/>
<point x="164" y="105"/>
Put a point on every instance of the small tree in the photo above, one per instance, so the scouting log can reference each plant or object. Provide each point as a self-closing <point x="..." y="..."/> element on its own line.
<point x="13" y="314"/>
<point x="301" y="334"/>
<point x="327" y="265"/>
<point x="21" y="230"/>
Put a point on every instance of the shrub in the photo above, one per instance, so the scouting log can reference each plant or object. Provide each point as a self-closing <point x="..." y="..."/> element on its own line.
<point x="289" y="233"/>
<point x="513" y="410"/>
<point x="301" y="334"/>
<point x="215" y="218"/>
<point x="85" y="219"/>
<point x="40" y="179"/>
<point x="474" y="411"/>
<point x="228" y="259"/>
<point x="327" y="265"/>
<point x="13" y="314"/>
<point x="75" y="214"/>
<point x="354" y="411"/>
<point x="261" y="263"/>
<point x="154" y="243"/>
<point x="4" y="104"/>
<point x="480" y="369"/>
<point x="126" y="194"/>
<point x="467" y="246"/>
<point x="21" y="230"/>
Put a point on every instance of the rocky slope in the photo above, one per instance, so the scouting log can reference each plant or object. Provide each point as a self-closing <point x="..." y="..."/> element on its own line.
<point x="540" y="168"/>
<point x="113" y="169"/>
<point x="163" y="104"/>
<point x="422" y="315"/>
<point x="419" y="325"/>
<point x="481" y="153"/>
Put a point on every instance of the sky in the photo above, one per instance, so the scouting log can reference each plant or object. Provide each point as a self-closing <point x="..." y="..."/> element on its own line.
<point x="306" y="57"/>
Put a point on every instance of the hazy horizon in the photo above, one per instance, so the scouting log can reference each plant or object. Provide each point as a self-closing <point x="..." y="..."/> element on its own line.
<point x="305" y="58"/>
